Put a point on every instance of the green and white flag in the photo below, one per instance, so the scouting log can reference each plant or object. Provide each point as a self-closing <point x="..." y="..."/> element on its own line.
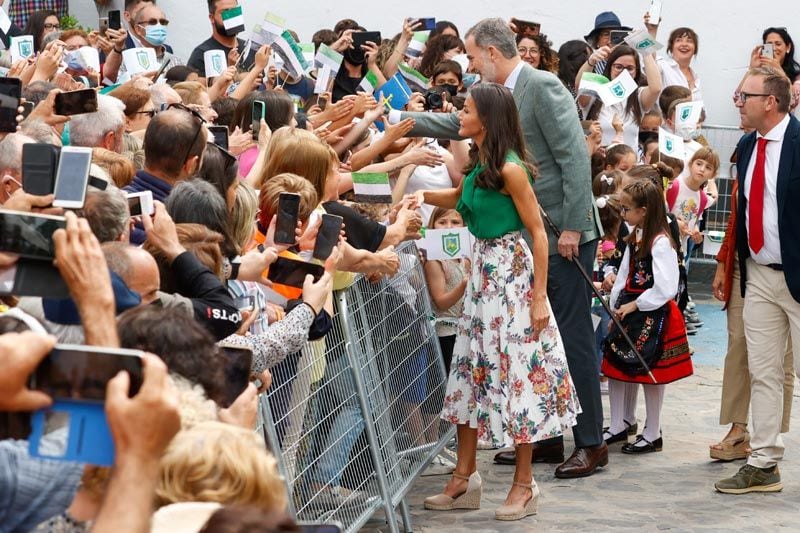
<point x="687" y="117"/>
<point x="442" y="244"/>
<point x="272" y="27"/>
<point x="413" y="77"/>
<point x="591" y="83"/>
<point x="369" y="83"/>
<point x="643" y="42"/>
<point x="328" y="57"/>
<point x="323" y="79"/>
<point x="671" y="145"/>
<point x="233" y="19"/>
<point x="372" y="187"/>
<point x="287" y="48"/>
<point x="417" y="44"/>
<point x="619" y="89"/>
<point x="308" y="52"/>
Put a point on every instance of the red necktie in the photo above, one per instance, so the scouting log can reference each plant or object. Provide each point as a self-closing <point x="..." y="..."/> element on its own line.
<point x="756" y="202"/>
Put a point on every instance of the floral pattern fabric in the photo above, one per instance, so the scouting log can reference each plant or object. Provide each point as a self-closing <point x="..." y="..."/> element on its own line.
<point x="514" y="388"/>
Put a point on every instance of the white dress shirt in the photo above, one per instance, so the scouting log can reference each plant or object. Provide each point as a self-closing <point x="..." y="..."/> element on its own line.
<point x="671" y="74"/>
<point x="665" y="276"/>
<point x="771" y="251"/>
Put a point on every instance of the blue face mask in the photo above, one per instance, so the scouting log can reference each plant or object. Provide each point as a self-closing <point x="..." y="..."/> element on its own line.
<point x="155" y="34"/>
<point x="74" y="61"/>
<point x="470" y="79"/>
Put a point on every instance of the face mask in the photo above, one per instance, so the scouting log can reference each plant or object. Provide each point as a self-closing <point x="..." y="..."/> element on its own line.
<point x="156" y="34"/>
<point x="687" y="132"/>
<point x="354" y="57"/>
<point x="75" y="62"/>
<point x="471" y="79"/>
<point x="452" y="89"/>
<point x="645" y="136"/>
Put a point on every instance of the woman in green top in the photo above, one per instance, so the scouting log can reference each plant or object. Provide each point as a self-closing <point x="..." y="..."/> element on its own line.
<point x="509" y="383"/>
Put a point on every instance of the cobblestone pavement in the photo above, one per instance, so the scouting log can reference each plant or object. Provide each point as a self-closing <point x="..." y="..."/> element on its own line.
<point x="670" y="490"/>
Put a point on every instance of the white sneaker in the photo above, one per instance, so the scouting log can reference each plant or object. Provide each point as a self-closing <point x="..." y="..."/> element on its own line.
<point x="485" y="445"/>
<point x="439" y="467"/>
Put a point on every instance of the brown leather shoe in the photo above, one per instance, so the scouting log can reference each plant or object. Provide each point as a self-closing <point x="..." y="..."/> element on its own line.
<point x="548" y="453"/>
<point x="583" y="462"/>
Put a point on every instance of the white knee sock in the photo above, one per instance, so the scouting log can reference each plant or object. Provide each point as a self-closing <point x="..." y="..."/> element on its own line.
<point x="616" y="399"/>
<point x="654" y="400"/>
<point x="631" y="395"/>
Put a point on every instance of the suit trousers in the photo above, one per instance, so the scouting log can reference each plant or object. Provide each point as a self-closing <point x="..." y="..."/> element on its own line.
<point x="770" y="315"/>
<point x="735" y="401"/>
<point x="571" y="301"/>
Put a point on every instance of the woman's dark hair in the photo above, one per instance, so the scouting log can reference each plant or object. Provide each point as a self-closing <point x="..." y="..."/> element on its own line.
<point x="279" y="105"/>
<point x="646" y="194"/>
<point x="442" y="25"/>
<point x="498" y="113"/>
<point x="225" y="108"/>
<point x="198" y="202"/>
<point x="632" y="106"/>
<point x="571" y="56"/>
<point x="548" y="58"/>
<point x="677" y="33"/>
<point x="219" y="169"/>
<point x="790" y="66"/>
<point x="435" y="51"/>
<point x="179" y="74"/>
<point x="186" y="347"/>
<point x="242" y="519"/>
<point x="35" y="26"/>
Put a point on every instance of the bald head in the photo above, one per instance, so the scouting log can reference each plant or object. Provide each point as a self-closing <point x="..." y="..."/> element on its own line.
<point x="136" y="267"/>
<point x="174" y="143"/>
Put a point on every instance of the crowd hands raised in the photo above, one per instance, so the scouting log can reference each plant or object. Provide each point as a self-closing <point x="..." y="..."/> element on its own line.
<point x="164" y="282"/>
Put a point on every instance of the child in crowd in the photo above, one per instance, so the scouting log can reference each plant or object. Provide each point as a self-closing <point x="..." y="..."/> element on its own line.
<point x="644" y="299"/>
<point x="447" y="281"/>
<point x="620" y="157"/>
<point x="675" y="164"/>
<point x="687" y="199"/>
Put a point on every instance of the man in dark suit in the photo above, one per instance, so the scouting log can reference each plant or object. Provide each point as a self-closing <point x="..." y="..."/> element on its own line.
<point x="555" y="139"/>
<point x="769" y="260"/>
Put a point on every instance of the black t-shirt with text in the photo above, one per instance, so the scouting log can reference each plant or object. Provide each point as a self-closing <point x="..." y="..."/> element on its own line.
<point x="197" y="62"/>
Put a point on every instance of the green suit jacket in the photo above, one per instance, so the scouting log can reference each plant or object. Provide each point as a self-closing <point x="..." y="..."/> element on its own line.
<point x="554" y="138"/>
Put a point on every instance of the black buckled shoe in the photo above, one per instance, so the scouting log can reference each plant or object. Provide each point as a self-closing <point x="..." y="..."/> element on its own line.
<point x="622" y="436"/>
<point x="649" y="447"/>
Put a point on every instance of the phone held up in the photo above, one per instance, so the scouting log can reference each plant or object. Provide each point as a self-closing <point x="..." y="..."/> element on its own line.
<point x="259" y="113"/>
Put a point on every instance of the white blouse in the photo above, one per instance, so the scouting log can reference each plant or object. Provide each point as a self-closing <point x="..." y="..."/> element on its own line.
<point x="665" y="276"/>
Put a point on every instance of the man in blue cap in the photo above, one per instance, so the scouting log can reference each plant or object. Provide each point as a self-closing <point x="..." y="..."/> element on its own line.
<point x="601" y="34"/>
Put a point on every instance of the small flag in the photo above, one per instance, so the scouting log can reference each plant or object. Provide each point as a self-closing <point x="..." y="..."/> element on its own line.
<point x="272" y="25"/>
<point x="641" y="41"/>
<point x="443" y="244"/>
<point x="369" y="83"/>
<point x="618" y="90"/>
<point x="21" y="47"/>
<point x="233" y="20"/>
<point x="372" y="187"/>
<point x="215" y="63"/>
<point x="327" y="56"/>
<point x="308" y="52"/>
<point x="257" y="35"/>
<point x="287" y="48"/>
<point x="687" y="116"/>
<point x="591" y="83"/>
<point x="417" y="44"/>
<point x="671" y="145"/>
<point x="323" y="79"/>
<point x="414" y="77"/>
<point x="396" y="93"/>
<point x="138" y="60"/>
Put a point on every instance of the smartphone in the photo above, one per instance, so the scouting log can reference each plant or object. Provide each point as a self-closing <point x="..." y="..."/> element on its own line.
<point x="141" y="203"/>
<point x="288" y="212"/>
<point x="33" y="277"/>
<point x="768" y="50"/>
<point x="78" y="372"/>
<point x="27" y="109"/>
<point x="655" y="11"/>
<point x="527" y="27"/>
<point x="238" y="363"/>
<point x="115" y="20"/>
<point x="72" y="176"/>
<point x="76" y="102"/>
<point x="428" y="24"/>
<point x="103" y="26"/>
<point x="328" y="236"/>
<point x="10" y="93"/>
<point x="162" y="69"/>
<point x="28" y="234"/>
<point x="220" y="134"/>
<point x="361" y="37"/>
<point x="245" y="303"/>
<point x="39" y="164"/>
<point x="292" y="272"/>
<point x="618" y="37"/>
<point x="259" y="112"/>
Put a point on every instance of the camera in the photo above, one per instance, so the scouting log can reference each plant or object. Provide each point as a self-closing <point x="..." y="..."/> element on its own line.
<point x="434" y="99"/>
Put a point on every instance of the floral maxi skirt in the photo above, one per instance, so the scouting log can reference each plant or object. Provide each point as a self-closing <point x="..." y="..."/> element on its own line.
<point x="514" y="388"/>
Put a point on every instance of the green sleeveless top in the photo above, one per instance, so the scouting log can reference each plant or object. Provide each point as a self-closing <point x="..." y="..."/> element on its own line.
<point x="489" y="214"/>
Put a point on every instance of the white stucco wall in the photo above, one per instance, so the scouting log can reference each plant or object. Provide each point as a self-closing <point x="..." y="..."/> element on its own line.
<point x="728" y="29"/>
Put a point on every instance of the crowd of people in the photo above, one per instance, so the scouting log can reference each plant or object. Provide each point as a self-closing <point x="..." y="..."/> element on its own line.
<point x="555" y="185"/>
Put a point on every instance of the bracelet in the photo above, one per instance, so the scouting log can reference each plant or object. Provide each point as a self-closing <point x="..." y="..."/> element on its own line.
<point x="234" y="270"/>
<point x="117" y="51"/>
<point x="590" y="64"/>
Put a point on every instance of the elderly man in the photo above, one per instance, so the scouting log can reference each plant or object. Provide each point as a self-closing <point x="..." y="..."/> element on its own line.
<point x="555" y="138"/>
<point x="11" y="164"/>
<point x="769" y="261"/>
<point x="103" y="129"/>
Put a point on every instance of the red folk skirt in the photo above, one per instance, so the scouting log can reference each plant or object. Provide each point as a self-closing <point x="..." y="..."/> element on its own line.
<point x="675" y="361"/>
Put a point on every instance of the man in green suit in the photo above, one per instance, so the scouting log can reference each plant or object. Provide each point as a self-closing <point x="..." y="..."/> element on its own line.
<point x="554" y="137"/>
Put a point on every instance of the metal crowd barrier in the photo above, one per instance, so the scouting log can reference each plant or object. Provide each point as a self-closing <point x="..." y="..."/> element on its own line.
<point x="354" y="418"/>
<point x="723" y="139"/>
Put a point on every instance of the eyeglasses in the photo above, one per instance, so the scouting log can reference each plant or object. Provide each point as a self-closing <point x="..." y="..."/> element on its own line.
<point x="619" y="67"/>
<point x="52" y="26"/>
<point x="525" y="51"/>
<point x="150" y="113"/>
<point x="196" y="115"/>
<point x="741" y="97"/>
<point x="153" y="22"/>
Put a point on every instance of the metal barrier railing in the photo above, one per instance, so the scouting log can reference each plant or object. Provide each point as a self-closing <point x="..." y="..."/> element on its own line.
<point x="354" y="418"/>
<point x="723" y="139"/>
